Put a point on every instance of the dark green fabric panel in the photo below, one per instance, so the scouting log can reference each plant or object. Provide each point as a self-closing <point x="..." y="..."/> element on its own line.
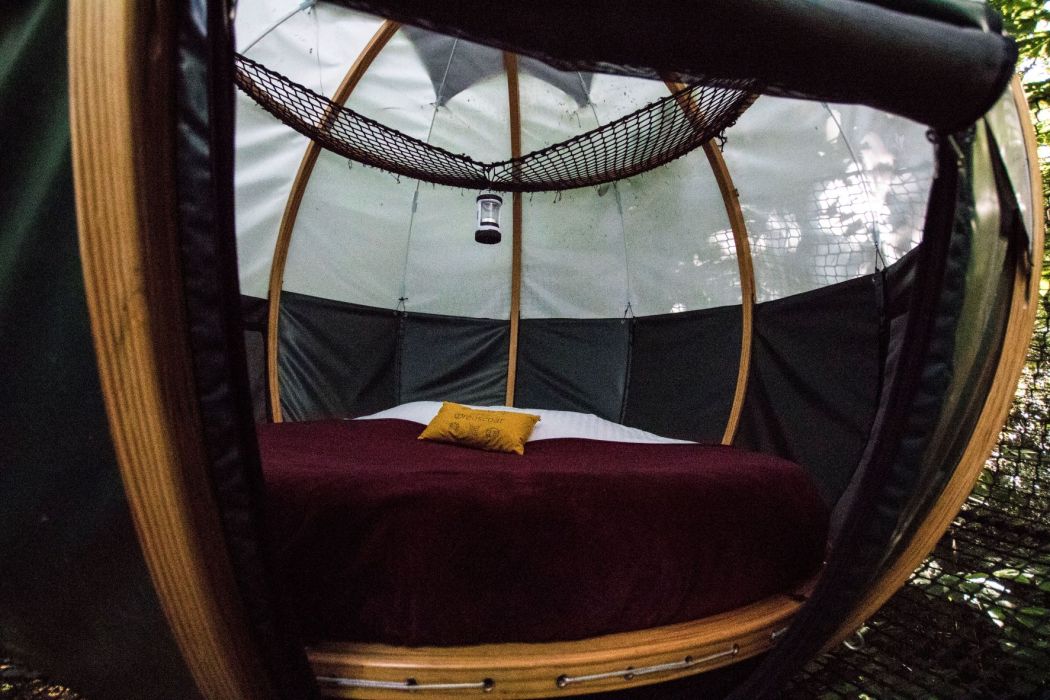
<point x="76" y="600"/>
<point x="866" y="526"/>
<point x="814" y="380"/>
<point x="573" y="365"/>
<point x="454" y="359"/>
<point x="962" y="13"/>
<point x="926" y="63"/>
<point x="683" y="373"/>
<point x="335" y="359"/>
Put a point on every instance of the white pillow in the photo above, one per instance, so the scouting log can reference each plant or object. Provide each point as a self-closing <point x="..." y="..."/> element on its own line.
<point x="553" y="424"/>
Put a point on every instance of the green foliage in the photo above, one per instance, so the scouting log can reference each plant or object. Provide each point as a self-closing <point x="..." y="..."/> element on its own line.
<point x="1025" y="20"/>
<point x="1028" y="22"/>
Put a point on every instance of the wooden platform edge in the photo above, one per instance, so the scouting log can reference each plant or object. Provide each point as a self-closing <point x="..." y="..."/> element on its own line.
<point x="534" y="670"/>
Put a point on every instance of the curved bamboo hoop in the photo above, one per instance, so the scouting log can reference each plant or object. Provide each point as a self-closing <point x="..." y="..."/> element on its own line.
<point x="745" y="265"/>
<point x="342" y="93"/>
<point x="610" y="662"/>
<point x="121" y="106"/>
<point x="510" y="64"/>
<point x="1023" y="305"/>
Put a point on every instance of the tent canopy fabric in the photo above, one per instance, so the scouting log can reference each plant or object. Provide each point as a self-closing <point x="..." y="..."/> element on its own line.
<point x="656" y="243"/>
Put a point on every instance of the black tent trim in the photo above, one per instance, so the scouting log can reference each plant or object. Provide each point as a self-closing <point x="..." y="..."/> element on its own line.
<point x="940" y="63"/>
<point x="204" y="188"/>
<point x="879" y="516"/>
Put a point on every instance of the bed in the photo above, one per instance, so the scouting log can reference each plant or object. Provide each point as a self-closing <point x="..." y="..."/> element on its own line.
<point x="597" y="529"/>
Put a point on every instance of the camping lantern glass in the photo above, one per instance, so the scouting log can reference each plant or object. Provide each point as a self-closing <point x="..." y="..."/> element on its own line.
<point x="488" y="218"/>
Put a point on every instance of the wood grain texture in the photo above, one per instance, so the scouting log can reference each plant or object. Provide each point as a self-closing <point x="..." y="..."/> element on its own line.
<point x="121" y="105"/>
<point x="510" y="65"/>
<point x="1023" y="304"/>
<point x="342" y="93"/>
<point x="745" y="266"/>
<point x="532" y="670"/>
<point x="746" y="271"/>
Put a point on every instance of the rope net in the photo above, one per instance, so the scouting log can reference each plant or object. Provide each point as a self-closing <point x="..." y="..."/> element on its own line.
<point x="637" y="142"/>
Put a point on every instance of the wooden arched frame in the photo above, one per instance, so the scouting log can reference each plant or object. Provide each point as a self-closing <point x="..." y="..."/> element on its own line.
<point x="746" y="270"/>
<point x="121" y="101"/>
<point x="123" y="160"/>
<point x="510" y="66"/>
<point x="745" y="265"/>
<point x="342" y="93"/>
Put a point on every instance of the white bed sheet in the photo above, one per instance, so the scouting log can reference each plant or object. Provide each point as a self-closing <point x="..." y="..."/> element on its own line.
<point x="553" y="424"/>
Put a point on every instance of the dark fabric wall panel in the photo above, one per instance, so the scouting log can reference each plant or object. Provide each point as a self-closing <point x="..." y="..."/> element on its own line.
<point x="444" y="358"/>
<point x="573" y="365"/>
<point x="335" y="359"/>
<point x="683" y="373"/>
<point x="254" y="314"/>
<point x="893" y="458"/>
<point x="815" y="376"/>
<point x="898" y="280"/>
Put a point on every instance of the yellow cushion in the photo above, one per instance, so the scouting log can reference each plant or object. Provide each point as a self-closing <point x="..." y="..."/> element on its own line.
<point x="498" y="431"/>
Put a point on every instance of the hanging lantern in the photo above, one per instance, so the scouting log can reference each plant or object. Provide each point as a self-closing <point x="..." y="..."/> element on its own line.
<point x="488" y="218"/>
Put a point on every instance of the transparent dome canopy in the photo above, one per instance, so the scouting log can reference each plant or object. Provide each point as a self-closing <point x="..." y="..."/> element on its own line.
<point x="828" y="192"/>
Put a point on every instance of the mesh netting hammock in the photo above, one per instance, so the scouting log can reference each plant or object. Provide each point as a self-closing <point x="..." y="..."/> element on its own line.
<point x="640" y="141"/>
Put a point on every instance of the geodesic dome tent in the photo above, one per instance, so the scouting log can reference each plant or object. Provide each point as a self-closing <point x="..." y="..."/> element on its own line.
<point x="746" y="294"/>
<point x="842" y="284"/>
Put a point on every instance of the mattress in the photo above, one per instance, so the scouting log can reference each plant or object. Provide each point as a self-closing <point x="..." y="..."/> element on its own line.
<point x="380" y="537"/>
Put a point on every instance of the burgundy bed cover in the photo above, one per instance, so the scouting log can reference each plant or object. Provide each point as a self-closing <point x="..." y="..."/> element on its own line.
<point x="380" y="537"/>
